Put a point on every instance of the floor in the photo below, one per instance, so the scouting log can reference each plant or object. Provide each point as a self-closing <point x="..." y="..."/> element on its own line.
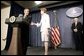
<point x="58" y="51"/>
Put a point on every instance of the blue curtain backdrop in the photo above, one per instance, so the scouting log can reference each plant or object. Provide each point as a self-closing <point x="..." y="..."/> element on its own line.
<point x="64" y="24"/>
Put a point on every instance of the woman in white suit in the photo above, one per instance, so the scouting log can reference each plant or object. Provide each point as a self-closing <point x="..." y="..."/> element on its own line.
<point x="44" y="27"/>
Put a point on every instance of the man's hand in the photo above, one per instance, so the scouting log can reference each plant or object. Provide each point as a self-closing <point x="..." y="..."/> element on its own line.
<point x="75" y="30"/>
<point x="32" y="23"/>
<point x="37" y="24"/>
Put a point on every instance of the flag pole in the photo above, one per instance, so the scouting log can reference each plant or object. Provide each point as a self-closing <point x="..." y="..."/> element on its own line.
<point x="56" y="26"/>
<point x="55" y="22"/>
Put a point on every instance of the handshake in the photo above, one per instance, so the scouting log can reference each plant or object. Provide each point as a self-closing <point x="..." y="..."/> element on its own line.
<point x="37" y="24"/>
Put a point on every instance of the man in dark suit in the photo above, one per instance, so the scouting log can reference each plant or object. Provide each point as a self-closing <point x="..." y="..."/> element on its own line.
<point x="77" y="34"/>
<point x="25" y="30"/>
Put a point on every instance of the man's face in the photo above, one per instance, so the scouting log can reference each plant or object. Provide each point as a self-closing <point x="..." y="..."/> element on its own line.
<point x="75" y="19"/>
<point x="26" y="11"/>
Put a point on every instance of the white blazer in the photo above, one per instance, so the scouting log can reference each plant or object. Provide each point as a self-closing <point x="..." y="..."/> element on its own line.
<point x="45" y="22"/>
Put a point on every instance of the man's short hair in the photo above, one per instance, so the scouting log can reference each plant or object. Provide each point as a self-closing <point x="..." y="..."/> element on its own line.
<point x="26" y="9"/>
<point x="43" y="9"/>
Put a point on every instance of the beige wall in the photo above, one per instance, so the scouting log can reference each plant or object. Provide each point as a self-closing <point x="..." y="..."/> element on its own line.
<point x="5" y="12"/>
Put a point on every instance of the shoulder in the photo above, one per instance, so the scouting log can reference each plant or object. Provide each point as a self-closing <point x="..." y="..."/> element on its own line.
<point x="73" y="24"/>
<point x="46" y="14"/>
<point x="29" y="16"/>
<point x="79" y="23"/>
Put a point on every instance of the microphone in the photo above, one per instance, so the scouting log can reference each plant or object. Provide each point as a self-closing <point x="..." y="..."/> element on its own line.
<point x="19" y="18"/>
<point x="20" y="15"/>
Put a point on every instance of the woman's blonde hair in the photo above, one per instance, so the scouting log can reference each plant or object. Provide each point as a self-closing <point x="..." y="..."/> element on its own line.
<point x="43" y="9"/>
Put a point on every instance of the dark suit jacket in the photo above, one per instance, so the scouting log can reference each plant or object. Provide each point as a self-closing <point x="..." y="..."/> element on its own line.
<point x="77" y="36"/>
<point x="78" y="26"/>
<point x="27" y="19"/>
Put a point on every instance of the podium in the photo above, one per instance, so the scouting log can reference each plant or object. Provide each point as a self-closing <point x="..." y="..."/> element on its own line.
<point x="15" y="47"/>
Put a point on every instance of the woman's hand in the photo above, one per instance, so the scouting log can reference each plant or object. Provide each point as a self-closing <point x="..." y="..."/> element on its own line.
<point x="37" y="24"/>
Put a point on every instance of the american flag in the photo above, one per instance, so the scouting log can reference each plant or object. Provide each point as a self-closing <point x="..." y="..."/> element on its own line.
<point x="55" y="33"/>
<point x="55" y="36"/>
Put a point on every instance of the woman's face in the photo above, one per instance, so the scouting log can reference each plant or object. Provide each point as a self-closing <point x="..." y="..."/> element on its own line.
<point x="42" y="12"/>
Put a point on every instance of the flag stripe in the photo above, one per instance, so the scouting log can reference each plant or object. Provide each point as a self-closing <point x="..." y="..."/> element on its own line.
<point x="57" y="29"/>
<point x="53" y="42"/>
<point x="54" y="39"/>
<point x="58" y="35"/>
<point x="55" y="36"/>
<point x="57" y="32"/>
